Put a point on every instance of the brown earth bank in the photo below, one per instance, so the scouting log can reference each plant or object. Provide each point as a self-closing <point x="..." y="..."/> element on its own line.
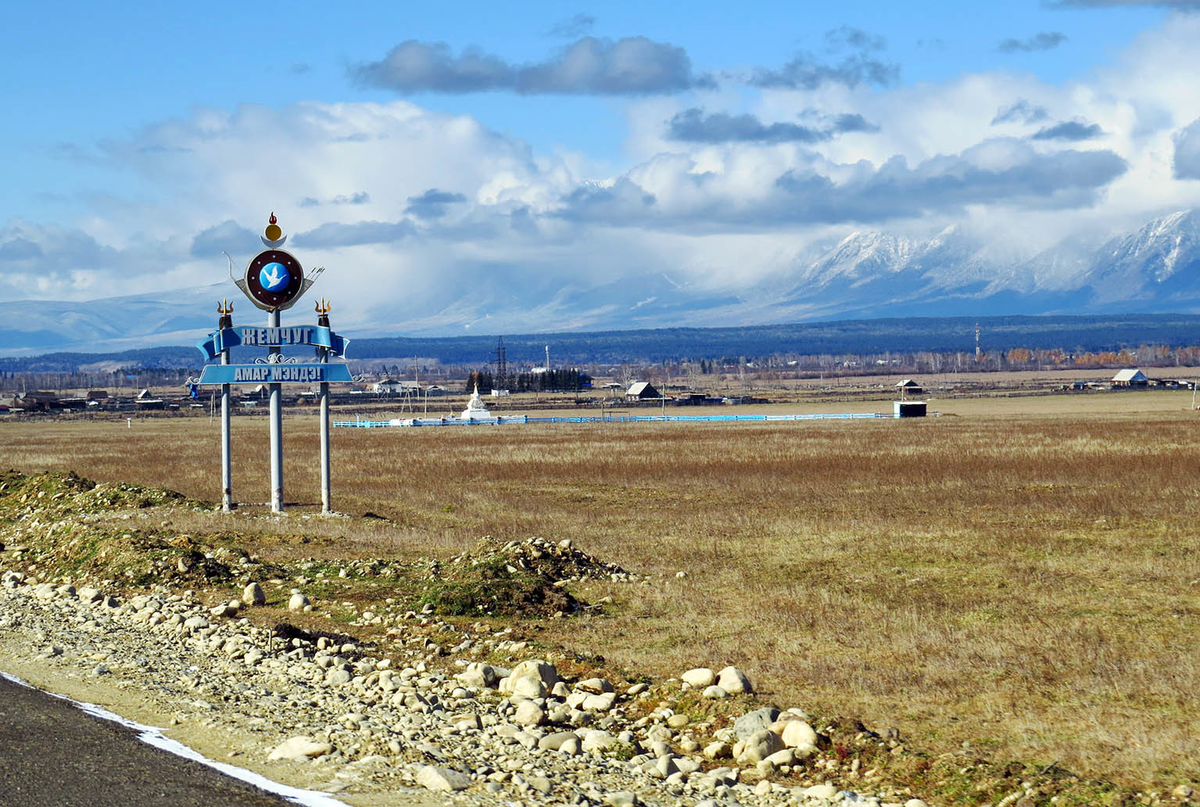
<point x="1015" y="593"/>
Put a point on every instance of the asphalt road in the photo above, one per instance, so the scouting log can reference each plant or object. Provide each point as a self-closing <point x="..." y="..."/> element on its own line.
<point x="52" y="753"/>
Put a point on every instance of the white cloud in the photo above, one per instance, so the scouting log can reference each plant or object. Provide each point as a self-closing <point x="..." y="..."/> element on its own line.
<point x="502" y="229"/>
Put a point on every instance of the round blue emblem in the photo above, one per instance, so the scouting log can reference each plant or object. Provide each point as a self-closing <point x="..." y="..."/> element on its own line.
<point x="274" y="277"/>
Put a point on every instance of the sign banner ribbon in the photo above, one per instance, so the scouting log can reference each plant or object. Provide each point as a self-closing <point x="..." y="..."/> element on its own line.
<point x="275" y="374"/>
<point x="313" y="335"/>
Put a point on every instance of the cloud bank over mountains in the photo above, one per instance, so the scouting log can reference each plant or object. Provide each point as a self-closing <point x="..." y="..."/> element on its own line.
<point x="728" y="180"/>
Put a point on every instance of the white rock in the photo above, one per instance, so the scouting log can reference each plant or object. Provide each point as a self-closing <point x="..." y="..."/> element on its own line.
<point x="821" y="791"/>
<point x="433" y="777"/>
<point x="596" y="740"/>
<point x="555" y="741"/>
<point x="804" y="751"/>
<point x="757" y="747"/>
<point x="527" y="686"/>
<point x="195" y="623"/>
<point x="297" y="602"/>
<point x="535" y="667"/>
<point x="481" y="676"/>
<point x="302" y="747"/>
<point x="596" y="686"/>
<point x="734" y="681"/>
<point x="699" y="677"/>
<point x="714" y="691"/>
<point x="529" y="714"/>
<point x="797" y="733"/>
<point x="598" y="703"/>
<point x="253" y="594"/>
<point x="717" y="750"/>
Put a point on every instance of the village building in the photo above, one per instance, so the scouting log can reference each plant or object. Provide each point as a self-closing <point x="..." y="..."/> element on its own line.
<point x="390" y="386"/>
<point x="641" y="391"/>
<point x="1130" y="378"/>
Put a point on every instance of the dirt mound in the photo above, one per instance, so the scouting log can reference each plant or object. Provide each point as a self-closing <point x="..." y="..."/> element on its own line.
<point x="518" y="578"/>
<point x="537" y="556"/>
<point x="73" y="526"/>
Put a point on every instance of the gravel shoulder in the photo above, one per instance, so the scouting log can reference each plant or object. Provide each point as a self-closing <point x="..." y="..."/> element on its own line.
<point x="72" y="675"/>
<point x="331" y="716"/>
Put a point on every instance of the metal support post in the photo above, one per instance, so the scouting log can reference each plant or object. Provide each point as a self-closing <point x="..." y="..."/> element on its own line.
<point x="276" y="408"/>
<point x="326" y="503"/>
<point x="226" y="453"/>
<point x="322" y="309"/>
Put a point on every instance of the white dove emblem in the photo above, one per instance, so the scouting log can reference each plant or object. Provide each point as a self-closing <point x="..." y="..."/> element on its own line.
<point x="272" y="277"/>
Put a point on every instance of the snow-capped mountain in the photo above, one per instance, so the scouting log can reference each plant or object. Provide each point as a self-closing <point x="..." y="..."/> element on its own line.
<point x="955" y="272"/>
<point x="1160" y="263"/>
<point x="1155" y="269"/>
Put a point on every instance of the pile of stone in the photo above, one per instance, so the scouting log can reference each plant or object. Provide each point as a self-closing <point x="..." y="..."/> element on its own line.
<point x="365" y="720"/>
<point x="559" y="561"/>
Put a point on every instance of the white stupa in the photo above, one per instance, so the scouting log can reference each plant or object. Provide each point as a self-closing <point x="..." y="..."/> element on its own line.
<point x="475" y="409"/>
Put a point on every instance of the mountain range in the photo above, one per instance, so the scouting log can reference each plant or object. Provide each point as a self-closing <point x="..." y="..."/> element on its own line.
<point x="872" y="274"/>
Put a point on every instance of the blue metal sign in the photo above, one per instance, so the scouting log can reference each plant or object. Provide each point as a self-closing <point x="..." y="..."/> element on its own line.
<point x="316" y="336"/>
<point x="275" y="374"/>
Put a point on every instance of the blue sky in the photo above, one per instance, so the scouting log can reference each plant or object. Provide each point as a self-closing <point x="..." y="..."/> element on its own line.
<point x="137" y="131"/>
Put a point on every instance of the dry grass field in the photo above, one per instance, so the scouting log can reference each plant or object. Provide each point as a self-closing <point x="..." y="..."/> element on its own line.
<point x="1021" y="575"/>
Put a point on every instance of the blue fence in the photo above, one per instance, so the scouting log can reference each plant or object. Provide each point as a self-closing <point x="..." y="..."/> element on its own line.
<point x="522" y="419"/>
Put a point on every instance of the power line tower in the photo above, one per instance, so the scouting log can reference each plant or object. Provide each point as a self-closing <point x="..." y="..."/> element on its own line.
<point x="978" y="353"/>
<point x="501" y="364"/>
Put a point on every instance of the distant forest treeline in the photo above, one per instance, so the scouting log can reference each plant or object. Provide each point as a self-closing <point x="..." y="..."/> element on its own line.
<point x="950" y="335"/>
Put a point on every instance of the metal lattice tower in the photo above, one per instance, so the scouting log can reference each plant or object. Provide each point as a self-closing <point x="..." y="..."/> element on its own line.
<point x="978" y="354"/>
<point x="501" y="364"/>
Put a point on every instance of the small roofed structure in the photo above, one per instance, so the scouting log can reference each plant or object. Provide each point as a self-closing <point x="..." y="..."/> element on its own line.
<point x="1130" y="378"/>
<point x="641" y="391"/>
<point x="908" y="387"/>
<point x="390" y="386"/>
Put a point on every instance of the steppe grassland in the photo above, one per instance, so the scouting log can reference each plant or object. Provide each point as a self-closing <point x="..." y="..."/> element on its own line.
<point x="1022" y="576"/>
